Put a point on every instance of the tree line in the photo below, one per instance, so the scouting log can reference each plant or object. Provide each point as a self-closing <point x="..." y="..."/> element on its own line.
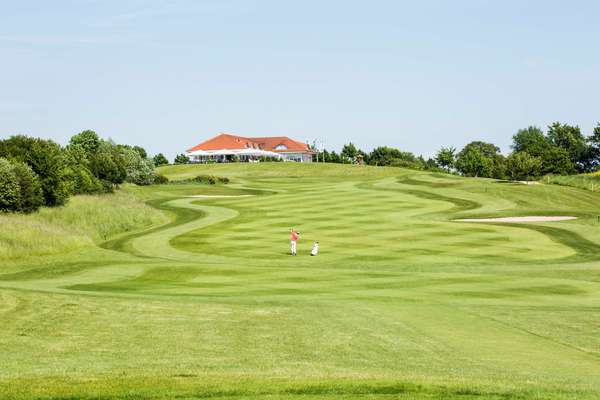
<point x="562" y="150"/>
<point x="38" y="172"/>
<point x="380" y="156"/>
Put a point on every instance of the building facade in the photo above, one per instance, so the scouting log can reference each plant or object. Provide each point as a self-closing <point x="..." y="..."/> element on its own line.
<point x="226" y="148"/>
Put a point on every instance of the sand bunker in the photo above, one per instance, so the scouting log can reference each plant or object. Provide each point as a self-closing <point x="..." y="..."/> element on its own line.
<point x="519" y="219"/>
<point x="218" y="196"/>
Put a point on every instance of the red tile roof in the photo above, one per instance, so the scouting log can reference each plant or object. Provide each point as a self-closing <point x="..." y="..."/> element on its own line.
<point x="271" y="144"/>
<point x="233" y="142"/>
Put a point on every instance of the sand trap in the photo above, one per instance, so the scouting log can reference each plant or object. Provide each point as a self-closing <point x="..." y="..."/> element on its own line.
<point x="519" y="219"/>
<point x="218" y="196"/>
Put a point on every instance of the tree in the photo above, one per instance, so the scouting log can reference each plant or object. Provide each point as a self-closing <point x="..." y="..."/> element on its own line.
<point x="332" y="157"/>
<point x="181" y="159"/>
<point x="138" y="170"/>
<point x="488" y="150"/>
<point x="160" y="159"/>
<point x="349" y="152"/>
<point x="557" y="161"/>
<point x="328" y="157"/>
<point x="46" y="159"/>
<point x="9" y="187"/>
<point x="138" y="149"/>
<point x="79" y="175"/>
<point x="88" y="140"/>
<point x="593" y="142"/>
<point x="531" y="140"/>
<point x="31" y="196"/>
<point x="141" y="151"/>
<point x="570" y="138"/>
<point x="472" y="162"/>
<point x="82" y="181"/>
<point x="431" y="165"/>
<point x="383" y="155"/>
<point x="446" y="157"/>
<point x="107" y="164"/>
<point x="520" y="165"/>
<point x="480" y="159"/>
<point x="499" y="167"/>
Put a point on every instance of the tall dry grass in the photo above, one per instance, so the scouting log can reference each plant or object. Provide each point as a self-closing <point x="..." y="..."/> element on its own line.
<point x="585" y="181"/>
<point x="85" y="220"/>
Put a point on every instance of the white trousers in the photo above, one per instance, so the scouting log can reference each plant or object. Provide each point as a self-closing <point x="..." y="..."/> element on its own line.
<point x="293" y="246"/>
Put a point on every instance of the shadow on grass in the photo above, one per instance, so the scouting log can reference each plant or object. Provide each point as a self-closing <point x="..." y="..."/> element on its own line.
<point x="192" y="386"/>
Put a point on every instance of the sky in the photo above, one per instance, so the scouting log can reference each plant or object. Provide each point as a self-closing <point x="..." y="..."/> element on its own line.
<point x="414" y="75"/>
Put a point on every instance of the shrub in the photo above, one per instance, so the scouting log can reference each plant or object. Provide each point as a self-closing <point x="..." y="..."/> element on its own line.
<point x="210" y="179"/>
<point x="269" y="159"/>
<point x="205" y="179"/>
<point x="9" y="187"/>
<point x="107" y="186"/>
<point x="160" y="179"/>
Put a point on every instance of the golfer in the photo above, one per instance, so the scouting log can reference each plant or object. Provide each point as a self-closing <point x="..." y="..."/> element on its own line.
<point x="294" y="235"/>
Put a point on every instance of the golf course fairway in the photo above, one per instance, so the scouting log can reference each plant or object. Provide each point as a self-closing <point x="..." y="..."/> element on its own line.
<point x="201" y="299"/>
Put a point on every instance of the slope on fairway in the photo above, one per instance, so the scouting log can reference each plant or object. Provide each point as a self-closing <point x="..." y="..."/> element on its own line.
<point x="402" y="302"/>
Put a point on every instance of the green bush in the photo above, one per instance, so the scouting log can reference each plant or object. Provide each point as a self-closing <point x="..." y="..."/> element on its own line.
<point x="204" y="179"/>
<point x="210" y="179"/>
<point x="270" y="159"/>
<point x="160" y="179"/>
<point x="107" y="186"/>
<point x="9" y="187"/>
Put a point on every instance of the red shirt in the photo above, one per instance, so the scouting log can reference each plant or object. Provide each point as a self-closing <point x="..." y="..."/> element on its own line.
<point x="294" y="236"/>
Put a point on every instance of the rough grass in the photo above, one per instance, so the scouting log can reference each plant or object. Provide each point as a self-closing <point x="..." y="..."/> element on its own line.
<point x="82" y="222"/>
<point x="586" y="181"/>
<point x="402" y="303"/>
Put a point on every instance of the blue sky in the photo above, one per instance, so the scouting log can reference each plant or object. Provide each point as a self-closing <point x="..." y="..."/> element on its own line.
<point x="414" y="75"/>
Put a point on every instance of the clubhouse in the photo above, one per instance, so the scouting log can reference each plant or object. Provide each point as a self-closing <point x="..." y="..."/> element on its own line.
<point x="227" y="148"/>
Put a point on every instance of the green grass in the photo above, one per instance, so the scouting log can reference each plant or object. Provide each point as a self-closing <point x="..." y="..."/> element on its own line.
<point x="201" y="299"/>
